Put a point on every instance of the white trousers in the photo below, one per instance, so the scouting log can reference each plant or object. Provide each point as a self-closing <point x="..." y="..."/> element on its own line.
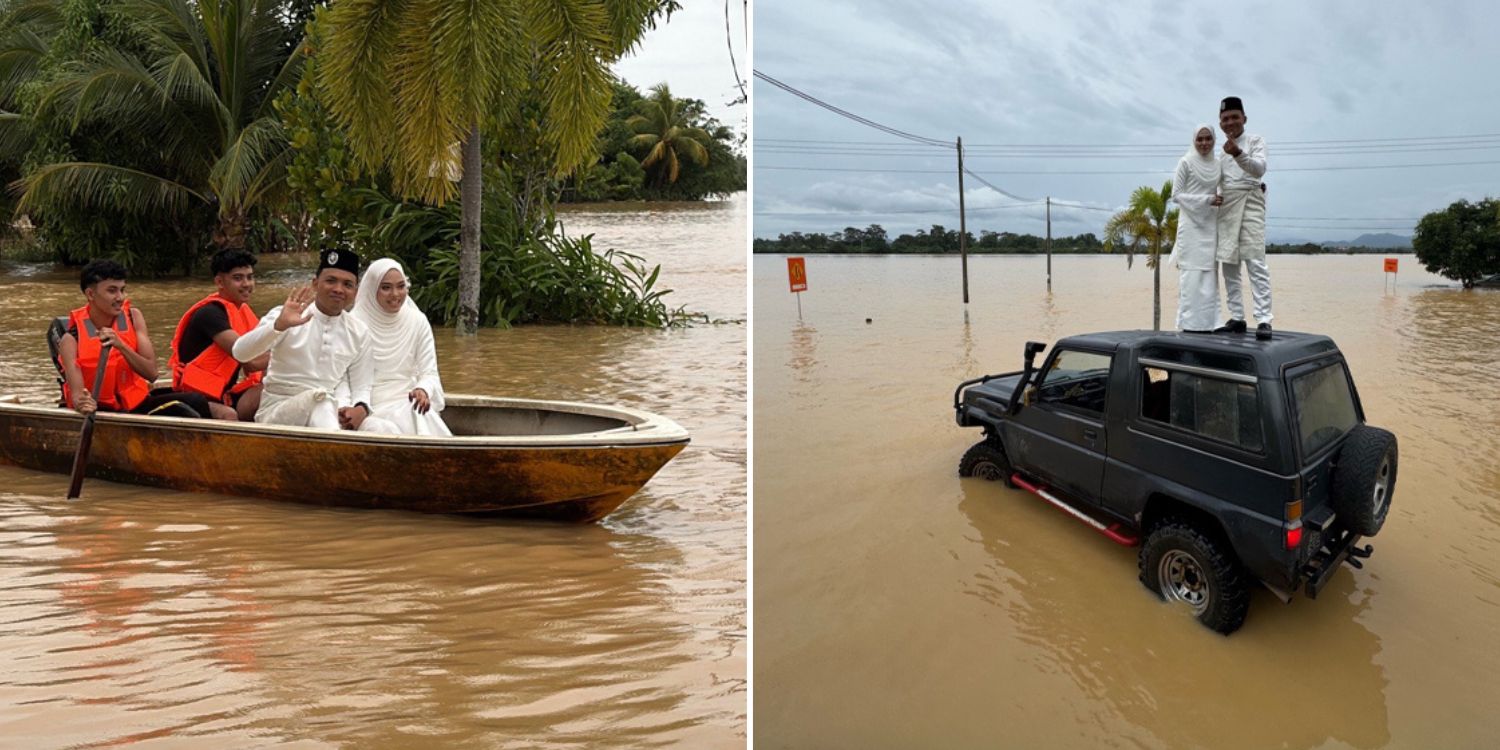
<point x="1197" y="300"/>
<point x="314" y="408"/>
<point x="1260" y="290"/>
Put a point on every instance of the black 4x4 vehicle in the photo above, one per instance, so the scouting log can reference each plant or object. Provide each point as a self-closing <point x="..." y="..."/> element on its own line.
<point x="1237" y="460"/>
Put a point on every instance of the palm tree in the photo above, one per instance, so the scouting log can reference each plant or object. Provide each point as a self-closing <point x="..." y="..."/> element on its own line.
<point x="665" y="131"/>
<point x="1145" y="221"/>
<point x="408" y="79"/>
<point x="201" y="95"/>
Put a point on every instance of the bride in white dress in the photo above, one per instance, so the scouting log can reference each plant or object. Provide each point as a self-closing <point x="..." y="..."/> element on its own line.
<point x="407" y="389"/>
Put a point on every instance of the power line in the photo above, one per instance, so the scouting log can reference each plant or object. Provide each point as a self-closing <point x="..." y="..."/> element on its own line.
<point x="1326" y="168"/>
<point x="850" y="115"/>
<point x="1423" y="140"/>
<point x="729" y="42"/>
<point x="1164" y="154"/>
<point x="831" y="169"/>
<point x="991" y="186"/>
<point x="903" y="212"/>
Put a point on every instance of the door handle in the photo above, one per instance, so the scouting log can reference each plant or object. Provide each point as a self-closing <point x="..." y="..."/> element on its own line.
<point x="1091" y="434"/>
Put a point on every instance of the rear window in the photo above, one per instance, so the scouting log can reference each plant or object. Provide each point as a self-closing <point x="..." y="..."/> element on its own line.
<point x="1219" y="409"/>
<point x="1324" y="405"/>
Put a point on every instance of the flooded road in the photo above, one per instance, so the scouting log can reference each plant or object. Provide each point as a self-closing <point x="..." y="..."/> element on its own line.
<point x="139" y="614"/>
<point x="899" y="606"/>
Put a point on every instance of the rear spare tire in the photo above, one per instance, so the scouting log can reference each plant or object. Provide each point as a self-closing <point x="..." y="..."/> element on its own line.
<point x="1364" y="479"/>
<point x="986" y="460"/>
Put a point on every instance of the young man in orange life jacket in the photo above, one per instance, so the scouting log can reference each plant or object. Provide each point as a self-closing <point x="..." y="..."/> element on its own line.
<point x="202" y="350"/>
<point x="108" y="319"/>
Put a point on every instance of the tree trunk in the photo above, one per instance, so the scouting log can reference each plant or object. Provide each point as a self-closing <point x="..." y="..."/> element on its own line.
<point x="468" y="257"/>
<point x="231" y="231"/>
<point x="1156" y="293"/>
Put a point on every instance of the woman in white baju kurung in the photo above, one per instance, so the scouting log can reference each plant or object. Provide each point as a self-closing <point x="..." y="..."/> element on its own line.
<point x="1194" y="188"/>
<point x="407" y="390"/>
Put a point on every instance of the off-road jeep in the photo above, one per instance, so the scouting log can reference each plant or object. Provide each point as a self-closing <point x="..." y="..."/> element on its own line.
<point x="1236" y="460"/>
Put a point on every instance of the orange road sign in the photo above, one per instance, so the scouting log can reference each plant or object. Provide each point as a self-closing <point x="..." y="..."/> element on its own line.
<point x="796" y="272"/>
<point x="1390" y="265"/>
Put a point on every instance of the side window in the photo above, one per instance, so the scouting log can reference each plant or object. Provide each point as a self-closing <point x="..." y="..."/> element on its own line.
<point x="1219" y="409"/>
<point x="1076" y="379"/>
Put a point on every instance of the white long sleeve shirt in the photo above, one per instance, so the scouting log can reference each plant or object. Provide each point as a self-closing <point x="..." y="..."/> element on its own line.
<point x="318" y="354"/>
<point x="1246" y="170"/>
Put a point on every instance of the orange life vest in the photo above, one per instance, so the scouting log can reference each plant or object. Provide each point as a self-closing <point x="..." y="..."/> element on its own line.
<point x="123" y="389"/>
<point x="212" y="370"/>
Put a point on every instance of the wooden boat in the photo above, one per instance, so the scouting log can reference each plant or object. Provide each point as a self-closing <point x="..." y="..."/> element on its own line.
<point x="517" y="457"/>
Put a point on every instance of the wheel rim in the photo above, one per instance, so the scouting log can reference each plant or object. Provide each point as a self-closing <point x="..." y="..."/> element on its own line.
<point x="1382" y="485"/>
<point x="987" y="470"/>
<point x="1183" y="580"/>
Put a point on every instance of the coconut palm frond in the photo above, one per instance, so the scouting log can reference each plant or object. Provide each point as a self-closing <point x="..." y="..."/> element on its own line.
<point x="242" y="164"/>
<point x="22" y="51"/>
<point x="269" y="184"/>
<point x="353" y="75"/>
<point x="103" y="186"/>
<point x="573" y="44"/>
<point x="183" y="81"/>
<point x="15" y="135"/>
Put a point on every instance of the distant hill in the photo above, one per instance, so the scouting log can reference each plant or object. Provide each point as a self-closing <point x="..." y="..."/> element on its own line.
<point x="1382" y="240"/>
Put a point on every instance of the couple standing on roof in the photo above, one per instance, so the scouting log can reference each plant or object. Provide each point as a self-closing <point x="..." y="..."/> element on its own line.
<point x="1221" y="224"/>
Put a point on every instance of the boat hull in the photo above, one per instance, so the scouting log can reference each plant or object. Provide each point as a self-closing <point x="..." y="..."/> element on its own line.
<point x="577" y="478"/>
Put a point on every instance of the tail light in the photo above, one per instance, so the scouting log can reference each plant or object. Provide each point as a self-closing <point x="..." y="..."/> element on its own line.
<point x="1293" y="524"/>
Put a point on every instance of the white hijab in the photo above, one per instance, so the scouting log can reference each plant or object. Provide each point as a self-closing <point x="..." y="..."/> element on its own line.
<point x="393" y="336"/>
<point x="1205" y="168"/>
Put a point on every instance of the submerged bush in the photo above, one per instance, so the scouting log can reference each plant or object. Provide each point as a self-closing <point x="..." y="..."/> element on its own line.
<point x="538" y="275"/>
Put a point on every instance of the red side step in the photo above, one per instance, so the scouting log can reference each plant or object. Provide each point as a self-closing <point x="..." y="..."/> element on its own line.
<point x="1114" y="531"/>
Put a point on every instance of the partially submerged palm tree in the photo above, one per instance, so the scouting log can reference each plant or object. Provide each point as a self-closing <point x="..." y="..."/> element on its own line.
<point x="666" y="134"/>
<point x="202" y="95"/>
<point x="1147" y="222"/>
<point x="407" y="79"/>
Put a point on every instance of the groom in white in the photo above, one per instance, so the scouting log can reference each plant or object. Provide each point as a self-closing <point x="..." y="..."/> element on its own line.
<point x="1242" y="220"/>
<point x="313" y="349"/>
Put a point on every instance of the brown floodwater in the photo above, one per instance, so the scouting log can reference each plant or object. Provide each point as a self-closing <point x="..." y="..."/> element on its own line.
<point x="896" y="605"/>
<point x="138" y="614"/>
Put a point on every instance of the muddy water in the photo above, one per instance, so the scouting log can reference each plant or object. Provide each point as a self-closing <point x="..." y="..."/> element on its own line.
<point x="201" y="620"/>
<point x="899" y="606"/>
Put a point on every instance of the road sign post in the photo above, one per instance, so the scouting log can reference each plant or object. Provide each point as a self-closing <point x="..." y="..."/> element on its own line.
<point x="796" y="274"/>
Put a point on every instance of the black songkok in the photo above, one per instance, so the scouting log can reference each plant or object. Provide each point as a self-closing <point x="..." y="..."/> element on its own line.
<point x="342" y="259"/>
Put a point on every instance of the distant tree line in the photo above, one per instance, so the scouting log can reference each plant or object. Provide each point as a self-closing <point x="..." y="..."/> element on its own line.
<point x="939" y="239"/>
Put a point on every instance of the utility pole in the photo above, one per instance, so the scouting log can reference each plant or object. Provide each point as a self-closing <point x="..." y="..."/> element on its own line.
<point x="1049" y="242"/>
<point x="963" y="232"/>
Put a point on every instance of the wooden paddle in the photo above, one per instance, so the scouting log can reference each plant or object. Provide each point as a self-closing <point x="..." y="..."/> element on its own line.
<point x="81" y="458"/>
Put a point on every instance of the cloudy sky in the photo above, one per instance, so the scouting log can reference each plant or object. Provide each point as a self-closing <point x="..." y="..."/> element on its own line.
<point x="691" y="54"/>
<point x="1084" y="101"/>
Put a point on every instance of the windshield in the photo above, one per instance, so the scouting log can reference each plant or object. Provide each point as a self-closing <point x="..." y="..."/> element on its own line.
<point x="1325" y="406"/>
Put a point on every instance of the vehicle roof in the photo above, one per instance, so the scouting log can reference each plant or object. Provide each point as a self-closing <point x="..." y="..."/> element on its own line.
<point x="1269" y="356"/>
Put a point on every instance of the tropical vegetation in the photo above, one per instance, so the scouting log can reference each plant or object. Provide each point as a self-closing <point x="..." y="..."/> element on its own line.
<point x="155" y="131"/>
<point x="1461" y="242"/>
<point x="439" y="74"/>
<point x="639" y="126"/>
<point x="1146" y="223"/>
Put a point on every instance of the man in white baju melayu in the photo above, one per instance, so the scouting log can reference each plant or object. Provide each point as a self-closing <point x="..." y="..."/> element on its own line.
<point x="1242" y="220"/>
<point x="1195" y="188"/>
<point x="407" y="392"/>
<point x="313" y="348"/>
